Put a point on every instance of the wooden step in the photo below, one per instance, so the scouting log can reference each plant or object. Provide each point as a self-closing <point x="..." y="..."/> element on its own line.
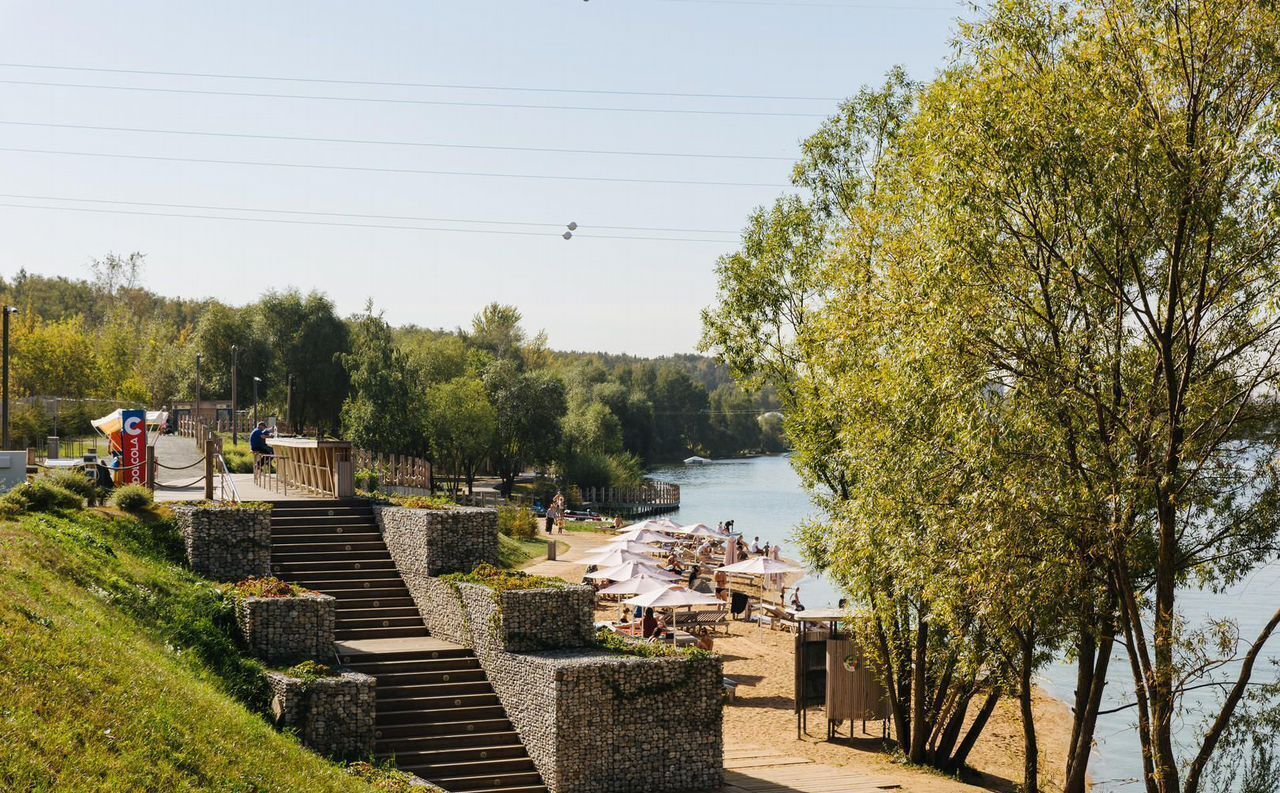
<point x="431" y="704"/>
<point x="358" y="634"/>
<point x="364" y="579"/>
<point x="438" y="715"/>
<point x="368" y="531"/>
<point x="450" y="689"/>
<point x="345" y="623"/>
<point x="443" y="729"/>
<point x="380" y="602"/>
<point x="400" y="659"/>
<point x="486" y="782"/>
<point x="431" y="743"/>
<point x="510" y="751"/>
<point x="495" y="769"/>
<point x="394" y="680"/>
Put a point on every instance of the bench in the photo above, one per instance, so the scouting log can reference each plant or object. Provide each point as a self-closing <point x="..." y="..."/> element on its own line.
<point x="710" y="619"/>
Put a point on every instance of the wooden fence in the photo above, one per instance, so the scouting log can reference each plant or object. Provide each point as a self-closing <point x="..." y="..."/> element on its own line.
<point x="394" y="470"/>
<point x="651" y="498"/>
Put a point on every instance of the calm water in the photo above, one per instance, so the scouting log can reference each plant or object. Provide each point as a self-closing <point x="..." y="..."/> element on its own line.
<point x="764" y="497"/>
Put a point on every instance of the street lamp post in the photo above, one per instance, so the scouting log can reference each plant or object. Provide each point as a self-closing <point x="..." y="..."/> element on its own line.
<point x="235" y="424"/>
<point x="256" y="380"/>
<point x="4" y="397"/>
<point x="288" y="404"/>
<point x="195" y="413"/>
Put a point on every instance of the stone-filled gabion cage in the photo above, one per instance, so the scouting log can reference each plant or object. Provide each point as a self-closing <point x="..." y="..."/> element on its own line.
<point x="332" y="715"/>
<point x="226" y="543"/>
<point x="285" y="628"/>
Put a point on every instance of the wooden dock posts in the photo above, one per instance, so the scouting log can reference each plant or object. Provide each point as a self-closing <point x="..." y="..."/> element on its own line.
<point x="654" y="497"/>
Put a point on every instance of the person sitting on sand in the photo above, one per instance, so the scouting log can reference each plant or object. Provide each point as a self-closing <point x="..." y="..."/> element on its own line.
<point x="651" y="627"/>
<point x="673" y="563"/>
<point x="694" y="572"/>
<point x="617" y="523"/>
<point x="755" y="546"/>
<point x="722" y="584"/>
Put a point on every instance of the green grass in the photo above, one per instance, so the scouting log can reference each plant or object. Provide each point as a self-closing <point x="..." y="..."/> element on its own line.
<point x="118" y="670"/>
<point x="514" y="554"/>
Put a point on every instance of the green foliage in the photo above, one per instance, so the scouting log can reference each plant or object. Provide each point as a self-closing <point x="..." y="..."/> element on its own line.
<point x="501" y="580"/>
<point x="388" y="779"/>
<point x="118" y="665"/>
<point x="43" y="496"/>
<point x="460" y="424"/>
<point x="76" y="482"/>
<point x="132" y="498"/>
<point x="517" y="522"/>
<point x="267" y="587"/>
<point x="514" y="554"/>
<point x="528" y="407"/>
<point x="366" y="480"/>
<point x="309" y="340"/>
<point x="310" y="671"/>
<point x="380" y="414"/>
<point x="617" y="643"/>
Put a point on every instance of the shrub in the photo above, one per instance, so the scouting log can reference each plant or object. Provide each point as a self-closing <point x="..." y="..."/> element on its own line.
<point x="387" y="779"/>
<point x="239" y="461"/>
<point x="519" y="523"/>
<point x="267" y="587"/>
<point x="43" y="496"/>
<point x="310" y="671"/>
<point x="77" y="483"/>
<point x="502" y="580"/>
<point x="367" y="480"/>
<point x="132" y="498"/>
<point x="423" y="502"/>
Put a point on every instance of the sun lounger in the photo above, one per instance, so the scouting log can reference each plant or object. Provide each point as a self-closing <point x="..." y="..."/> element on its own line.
<point x="730" y="689"/>
<point x="776" y="618"/>
<point x="710" y="619"/>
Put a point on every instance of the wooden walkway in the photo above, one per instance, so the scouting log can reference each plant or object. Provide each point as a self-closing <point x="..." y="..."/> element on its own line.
<point x="750" y="769"/>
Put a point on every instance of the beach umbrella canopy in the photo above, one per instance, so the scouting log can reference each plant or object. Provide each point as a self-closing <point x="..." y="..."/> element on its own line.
<point x="635" y="586"/>
<point x="644" y="535"/>
<point x="652" y="525"/>
<point x="667" y="524"/>
<point x="760" y="565"/>
<point x="703" y="530"/>
<point x="607" y="557"/>
<point x="672" y="597"/>
<point x="628" y="570"/>
<point x="625" y="545"/>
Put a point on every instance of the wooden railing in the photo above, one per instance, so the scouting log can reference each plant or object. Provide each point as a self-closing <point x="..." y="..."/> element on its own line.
<point x="394" y="470"/>
<point x="650" y="498"/>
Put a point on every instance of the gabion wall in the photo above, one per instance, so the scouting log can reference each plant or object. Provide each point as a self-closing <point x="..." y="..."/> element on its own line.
<point x="333" y="716"/>
<point x="429" y="542"/>
<point x="226" y="544"/>
<point x="593" y="721"/>
<point x="287" y="628"/>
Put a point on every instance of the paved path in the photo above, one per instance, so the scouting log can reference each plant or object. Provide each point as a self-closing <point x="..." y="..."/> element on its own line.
<point x="180" y="474"/>
<point x="753" y="769"/>
<point x="580" y="544"/>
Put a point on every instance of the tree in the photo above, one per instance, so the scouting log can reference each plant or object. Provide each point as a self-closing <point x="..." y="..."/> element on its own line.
<point x="220" y="328"/>
<point x="381" y="412"/>
<point x="53" y="358"/>
<point x="497" y="329"/>
<point x="307" y="339"/>
<point x="462" y="427"/>
<point x="529" y="406"/>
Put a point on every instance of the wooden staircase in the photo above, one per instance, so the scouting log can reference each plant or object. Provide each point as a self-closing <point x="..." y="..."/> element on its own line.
<point x="437" y="714"/>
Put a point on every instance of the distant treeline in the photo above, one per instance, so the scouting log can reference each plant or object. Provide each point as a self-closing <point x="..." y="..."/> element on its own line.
<point x="488" y="399"/>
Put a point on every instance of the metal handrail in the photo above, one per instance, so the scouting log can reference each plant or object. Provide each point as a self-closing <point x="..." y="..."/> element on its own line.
<point x="225" y="481"/>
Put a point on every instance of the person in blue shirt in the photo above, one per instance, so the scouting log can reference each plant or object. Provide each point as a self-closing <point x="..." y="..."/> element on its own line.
<point x="258" y="440"/>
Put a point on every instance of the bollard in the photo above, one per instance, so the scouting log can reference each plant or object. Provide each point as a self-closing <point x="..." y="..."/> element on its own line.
<point x="551" y="551"/>
<point x="51" y="447"/>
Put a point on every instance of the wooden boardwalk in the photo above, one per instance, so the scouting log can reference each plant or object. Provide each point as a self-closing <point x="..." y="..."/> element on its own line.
<point x="750" y="769"/>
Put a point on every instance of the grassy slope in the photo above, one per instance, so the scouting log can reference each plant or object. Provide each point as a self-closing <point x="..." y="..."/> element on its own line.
<point x="115" y="668"/>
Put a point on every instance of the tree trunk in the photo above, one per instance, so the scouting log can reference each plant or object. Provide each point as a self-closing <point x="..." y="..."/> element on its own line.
<point x="1031" y="751"/>
<point x="975" y="730"/>
<point x="919" y="721"/>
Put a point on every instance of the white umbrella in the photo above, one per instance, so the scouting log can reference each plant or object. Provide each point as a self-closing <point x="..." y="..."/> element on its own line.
<point x="652" y="525"/>
<point x="625" y="545"/>
<point x="703" y="530"/>
<point x="644" y="535"/>
<point x="635" y="586"/>
<point x="627" y="570"/>
<point x="667" y="524"/>
<point x="672" y="597"/>
<point x="608" y="557"/>
<point x="760" y="565"/>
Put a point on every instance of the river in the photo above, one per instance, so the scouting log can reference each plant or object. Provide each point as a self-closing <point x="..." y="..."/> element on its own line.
<point x="765" y="499"/>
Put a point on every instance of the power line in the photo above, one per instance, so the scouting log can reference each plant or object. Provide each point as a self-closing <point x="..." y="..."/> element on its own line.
<point x="350" y="225"/>
<point x="441" y="102"/>
<point x="416" y="219"/>
<point x="294" y="138"/>
<point x="370" y="169"/>
<point x="391" y="84"/>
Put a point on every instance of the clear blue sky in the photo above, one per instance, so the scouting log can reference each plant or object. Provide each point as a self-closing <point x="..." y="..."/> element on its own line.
<point x="617" y="295"/>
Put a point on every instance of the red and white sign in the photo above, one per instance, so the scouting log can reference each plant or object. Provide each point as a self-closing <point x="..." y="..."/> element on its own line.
<point x="133" y="446"/>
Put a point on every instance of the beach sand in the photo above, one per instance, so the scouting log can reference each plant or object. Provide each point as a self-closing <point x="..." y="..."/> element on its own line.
<point x="762" y="662"/>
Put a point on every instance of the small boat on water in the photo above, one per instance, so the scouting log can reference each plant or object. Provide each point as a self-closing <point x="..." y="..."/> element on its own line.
<point x="696" y="460"/>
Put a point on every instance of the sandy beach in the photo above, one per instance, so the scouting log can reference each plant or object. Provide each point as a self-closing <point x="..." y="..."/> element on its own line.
<point x="761" y="661"/>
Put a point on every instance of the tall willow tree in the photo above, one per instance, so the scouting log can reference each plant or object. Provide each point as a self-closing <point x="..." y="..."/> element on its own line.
<point x="1029" y="353"/>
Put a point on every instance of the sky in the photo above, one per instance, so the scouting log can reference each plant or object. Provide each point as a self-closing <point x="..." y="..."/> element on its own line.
<point x="343" y="228"/>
